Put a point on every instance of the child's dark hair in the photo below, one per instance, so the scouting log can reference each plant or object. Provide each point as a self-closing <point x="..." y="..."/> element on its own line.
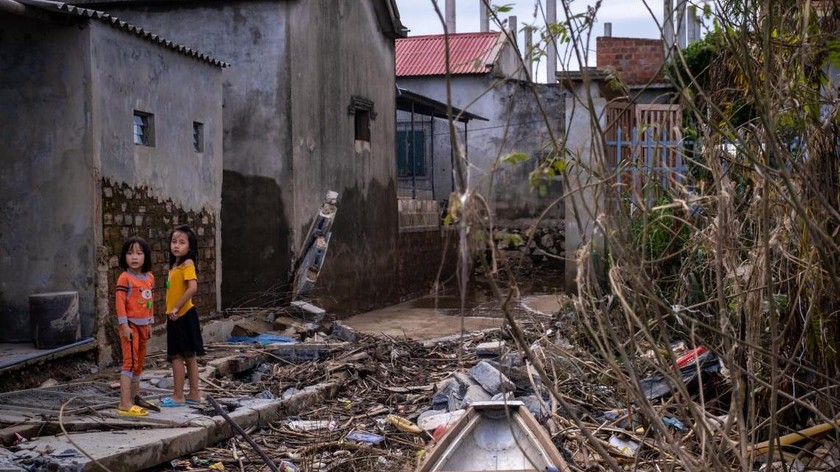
<point x="191" y="238"/>
<point x="144" y="246"/>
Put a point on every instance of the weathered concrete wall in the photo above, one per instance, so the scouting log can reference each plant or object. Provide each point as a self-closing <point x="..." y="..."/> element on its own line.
<point x="47" y="186"/>
<point x="585" y="203"/>
<point x="426" y="249"/>
<point x="338" y="53"/>
<point x="516" y="125"/>
<point x="130" y="73"/>
<point x="257" y="188"/>
<point x="289" y="139"/>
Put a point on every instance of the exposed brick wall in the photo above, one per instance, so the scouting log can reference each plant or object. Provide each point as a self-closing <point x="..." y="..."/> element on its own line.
<point x="129" y="211"/>
<point x="419" y="255"/>
<point x="638" y="61"/>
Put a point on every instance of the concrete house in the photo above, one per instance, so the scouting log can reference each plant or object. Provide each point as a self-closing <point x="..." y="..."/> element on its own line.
<point x="488" y="80"/>
<point x="108" y="131"/>
<point x="308" y="108"/>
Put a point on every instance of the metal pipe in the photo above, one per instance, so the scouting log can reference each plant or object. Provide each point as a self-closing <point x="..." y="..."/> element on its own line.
<point x="432" y="153"/>
<point x="412" y="165"/>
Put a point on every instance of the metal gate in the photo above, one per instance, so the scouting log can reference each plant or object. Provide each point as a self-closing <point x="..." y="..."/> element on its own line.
<point x="644" y="149"/>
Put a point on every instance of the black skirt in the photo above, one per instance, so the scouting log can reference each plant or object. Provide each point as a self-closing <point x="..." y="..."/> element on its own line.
<point x="183" y="336"/>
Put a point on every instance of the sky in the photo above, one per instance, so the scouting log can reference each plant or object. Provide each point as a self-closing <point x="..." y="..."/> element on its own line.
<point x="629" y="18"/>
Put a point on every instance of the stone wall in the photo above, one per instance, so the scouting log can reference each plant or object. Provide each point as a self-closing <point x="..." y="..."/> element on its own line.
<point x="129" y="211"/>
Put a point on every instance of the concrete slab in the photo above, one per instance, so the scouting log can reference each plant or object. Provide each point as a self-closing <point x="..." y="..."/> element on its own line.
<point x="124" y="450"/>
<point x="417" y="320"/>
<point x="19" y="355"/>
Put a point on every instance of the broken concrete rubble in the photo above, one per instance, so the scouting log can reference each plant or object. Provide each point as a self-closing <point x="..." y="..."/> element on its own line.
<point x="491" y="378"/>
<point x="492" y="350"/>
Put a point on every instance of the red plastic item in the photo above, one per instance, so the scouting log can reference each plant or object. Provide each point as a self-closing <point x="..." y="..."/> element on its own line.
<point x="690" y="356"/>
<point x="439" y="432"/>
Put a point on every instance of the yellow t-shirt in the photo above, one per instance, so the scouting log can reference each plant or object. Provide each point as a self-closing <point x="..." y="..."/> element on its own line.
<point x="176" y="285"/>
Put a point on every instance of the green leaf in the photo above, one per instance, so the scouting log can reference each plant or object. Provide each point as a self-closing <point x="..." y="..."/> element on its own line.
<point x="503" y="8"/>
<point x="514" y="158"/>
<point x="513" y="239"/>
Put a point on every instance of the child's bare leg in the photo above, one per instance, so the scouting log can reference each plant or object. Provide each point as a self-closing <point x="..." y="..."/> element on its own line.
<point x="126" y="398"/>
<point x="192" y="375"/>
<point x="135" y="386"/>
<point x="178" y="379"/>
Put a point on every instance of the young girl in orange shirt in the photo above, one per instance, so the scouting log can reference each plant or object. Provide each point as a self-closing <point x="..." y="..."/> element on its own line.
<point x="134" y="295"/>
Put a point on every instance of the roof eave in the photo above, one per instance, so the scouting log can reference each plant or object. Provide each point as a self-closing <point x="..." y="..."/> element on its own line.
<point x="388" y="16"/>
<point x="67" y="10"/>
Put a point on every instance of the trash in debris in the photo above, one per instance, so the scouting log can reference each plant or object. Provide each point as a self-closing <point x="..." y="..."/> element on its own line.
<point x="429" y="422"/>
<point x="262" y="339"/>
<point x="674" y="423"/>
<point x="690" y="356"/>
<point x="216" y="466"/>
<point x="20" y="439"/>
<point x="286" y="466"/>
<point x="656" y="386"/>
<point x="289" y="392"/>
<point x="440" y="431"/>
<point x="314" y="248"/>
<point x="618" y="418"/>
<point x="793" y="438"/>
<point x="625" y="447"/>
<point x="67" y="453"/>
<point x="364" y="437"/>
<point x="403" y="424"/>
<point x="311" y="425"/>
<point x="180" y="464"/>
<point x="266" y="395"/>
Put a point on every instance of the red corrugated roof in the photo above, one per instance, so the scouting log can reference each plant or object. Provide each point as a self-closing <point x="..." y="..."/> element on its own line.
<point x="469" y="53"/>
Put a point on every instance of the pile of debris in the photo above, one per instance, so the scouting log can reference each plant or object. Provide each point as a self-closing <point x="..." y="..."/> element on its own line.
<point x="350" y="401"/>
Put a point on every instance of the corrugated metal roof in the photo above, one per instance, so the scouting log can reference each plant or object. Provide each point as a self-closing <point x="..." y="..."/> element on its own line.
<point x="65" y="8"/>
<point x="469" y="53"/>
